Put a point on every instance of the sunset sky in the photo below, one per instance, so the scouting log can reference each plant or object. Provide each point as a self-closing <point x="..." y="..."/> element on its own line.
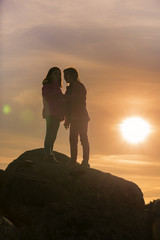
<point x="115" y="45"/>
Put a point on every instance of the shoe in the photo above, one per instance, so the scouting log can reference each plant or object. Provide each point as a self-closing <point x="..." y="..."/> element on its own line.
<point x="85" y="164"/>
<point x="52" y="159"/>
<point x="73" y="162"/>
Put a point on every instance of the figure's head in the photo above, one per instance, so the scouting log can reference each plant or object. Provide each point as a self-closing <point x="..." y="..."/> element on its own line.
<point x="70" y="74"/>
<point x="53" y="75"/>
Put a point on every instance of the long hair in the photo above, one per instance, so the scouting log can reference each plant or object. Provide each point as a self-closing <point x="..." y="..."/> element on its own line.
<point x="48" y="77"/>
<point x="72" y="72"/>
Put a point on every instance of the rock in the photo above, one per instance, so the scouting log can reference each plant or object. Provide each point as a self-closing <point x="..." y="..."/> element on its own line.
<point x="1" y="182"/>
<point x="156" y="229"/>
<point x="61" y="201"/>
<point x="7" y="230"/>
<point x="1" y="176"/>
<point x="153" y="220"/>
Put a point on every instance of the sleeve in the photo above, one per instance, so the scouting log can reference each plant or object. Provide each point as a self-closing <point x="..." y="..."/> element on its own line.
<point x="78" y="94"/>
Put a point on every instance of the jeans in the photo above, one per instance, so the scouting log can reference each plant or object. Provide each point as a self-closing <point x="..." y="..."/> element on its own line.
<point x="79" y="127"/>
<point x="52" y="126"/>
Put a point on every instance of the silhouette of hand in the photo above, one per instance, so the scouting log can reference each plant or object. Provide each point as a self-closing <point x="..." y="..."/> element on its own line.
<point x="66" y="124"/>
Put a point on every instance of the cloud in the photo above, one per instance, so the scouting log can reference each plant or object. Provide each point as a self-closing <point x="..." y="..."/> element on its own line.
<point x="136" y="47"/>
<point x="127" y="164"/>
<point x="78" y="13"/>
<point x="29" y="97"/>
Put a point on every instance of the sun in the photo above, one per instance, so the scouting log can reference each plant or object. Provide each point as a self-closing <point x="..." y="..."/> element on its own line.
<point x="135" y="129"/>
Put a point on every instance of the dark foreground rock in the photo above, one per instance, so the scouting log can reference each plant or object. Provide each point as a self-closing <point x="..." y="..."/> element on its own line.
<point x="1" y="183"/>
<point x="153" y="220"/>
<point x="7" y="230"/>
<point x="63" y="202"/>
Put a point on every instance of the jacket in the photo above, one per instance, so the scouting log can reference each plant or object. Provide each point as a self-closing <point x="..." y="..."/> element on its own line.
<point x="75" y="98"/>
<point x="53" y="101"/>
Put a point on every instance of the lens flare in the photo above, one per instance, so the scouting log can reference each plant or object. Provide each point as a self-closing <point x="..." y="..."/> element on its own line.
<point x="6" y="109"/>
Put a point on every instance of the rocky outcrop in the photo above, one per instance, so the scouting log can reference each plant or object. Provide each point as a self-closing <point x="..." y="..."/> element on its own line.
<point x="60" y="201"/>
<point x="153" y="220"/>
<point x="1" y="183"/>
<point x="1" y="178"/>
<point x="7" y="230"/>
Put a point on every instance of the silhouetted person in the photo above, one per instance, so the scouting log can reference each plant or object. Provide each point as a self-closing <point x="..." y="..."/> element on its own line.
<point x="76" y="115"/>
<point x="53" y="110"/>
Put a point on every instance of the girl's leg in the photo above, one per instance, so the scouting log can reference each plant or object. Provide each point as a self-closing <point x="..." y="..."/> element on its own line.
<point x="52" y="126"/>
<point x="73" y="141"/>
<point x="47" y="142"/>
<point x="55" y="127"/>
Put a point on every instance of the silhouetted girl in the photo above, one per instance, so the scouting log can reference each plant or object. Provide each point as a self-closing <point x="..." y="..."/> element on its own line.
<point x="53" y="110"/>
<point x="76" y="115"/>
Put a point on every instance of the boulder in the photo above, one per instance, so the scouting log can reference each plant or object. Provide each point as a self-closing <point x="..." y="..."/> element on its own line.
<point x="63" y="201"/>
<point x="7" y="229"/>
<point x="1" y="182"/>
<point x="1" y="177"/>
<point x="153" y="220"/>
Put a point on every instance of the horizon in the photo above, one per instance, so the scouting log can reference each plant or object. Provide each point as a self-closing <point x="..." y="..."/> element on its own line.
<point x="115" y="48"/>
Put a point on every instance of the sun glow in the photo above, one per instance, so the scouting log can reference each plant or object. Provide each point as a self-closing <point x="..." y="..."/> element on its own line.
<point x="135" y="129"/>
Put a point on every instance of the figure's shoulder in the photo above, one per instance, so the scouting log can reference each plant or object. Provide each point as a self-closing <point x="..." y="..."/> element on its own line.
<point x="45" y="84"/>
<point x="47" y="88"/>
<point x="79" y="87"/>
<point x="79" y="84"/>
